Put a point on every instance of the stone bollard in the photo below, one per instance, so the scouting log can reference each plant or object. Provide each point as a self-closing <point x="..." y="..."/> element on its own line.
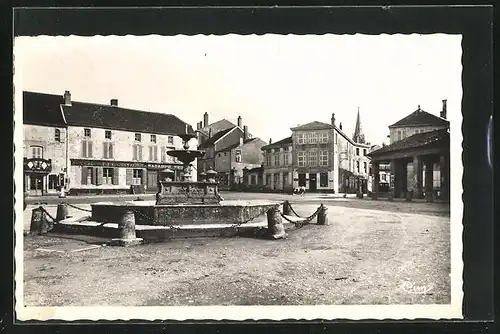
<point x="36" y="220"/>
<point x="322" y="215"/>
<point x="126" y="226"/>
<point x="409" y="196"/>
<point x="374" y="195"/>
<point x="62" y="211"/>
<point x="275" y="227"/>
<point x="286" y="208"/>
<point x="429" y="196"/>
<point x="390" y="196"/>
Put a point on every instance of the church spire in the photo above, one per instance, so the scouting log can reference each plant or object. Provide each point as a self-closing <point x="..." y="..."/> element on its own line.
<point x="358" y="136"/>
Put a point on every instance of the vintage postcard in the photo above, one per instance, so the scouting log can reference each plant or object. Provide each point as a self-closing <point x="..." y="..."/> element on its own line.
<point x="238" y="177"/>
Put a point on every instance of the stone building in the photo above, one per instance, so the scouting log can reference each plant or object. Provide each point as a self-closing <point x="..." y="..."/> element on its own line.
<point x="229" y="150"/>
<point x="418" y="155"/>
<point x="102" y="148"/>
<point x="323" y="158"/>
<point x="278" y="166"/>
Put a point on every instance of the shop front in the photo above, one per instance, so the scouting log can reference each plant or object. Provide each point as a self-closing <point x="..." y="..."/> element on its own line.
<point x="38" y="179"/>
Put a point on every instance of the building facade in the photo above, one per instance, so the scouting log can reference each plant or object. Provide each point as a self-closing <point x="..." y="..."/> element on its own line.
<point x="321" y="157"/>
<point x="277" y="169"/>
<point x="101" y="148"/>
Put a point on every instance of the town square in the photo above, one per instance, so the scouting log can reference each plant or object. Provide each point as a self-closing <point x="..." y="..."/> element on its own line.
<point x="238" y="170"/>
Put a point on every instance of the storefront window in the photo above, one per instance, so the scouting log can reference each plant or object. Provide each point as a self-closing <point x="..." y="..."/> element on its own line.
<point x="107" y="175"/>
<point x="53" y="181"/>
<point x="137" y="176"/>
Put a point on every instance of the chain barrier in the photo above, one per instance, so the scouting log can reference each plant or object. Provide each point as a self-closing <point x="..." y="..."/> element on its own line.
<point x="78" y="208"/>
<point x="305" y="221"/>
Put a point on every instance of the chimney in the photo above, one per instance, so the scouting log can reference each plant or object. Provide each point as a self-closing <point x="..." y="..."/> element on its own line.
<point x="67" y="98"/>
<point x="443" y="111"/>
<point x="245" y="132"/>
<point x="205" y="119"/>
<point x="210" y="133"/>
<point x="239" y="121"/>
<point x="340" y="126"/>
<point x="114" y="102"/>
<point x="270" y="141"/>
<point x="333" y="119"/>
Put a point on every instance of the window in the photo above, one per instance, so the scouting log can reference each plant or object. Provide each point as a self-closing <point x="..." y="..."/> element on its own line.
<point x="137" y="176"/>
<point x="436" y="178"/>
<point x="323" y="180"/>
<point x="107" y="150"/>
<point x="107" y="134"/>
<point x="86" y="133"/>
<point x="218" y="155"/>
<point x="357" y="166"/>
<point x="253" y="179"/>
<point x="225" y="154"/>
<point x="90" y="174"/>
<point x="285" y="180"/>
<point x="153" y="138"/>
<point x="268" y="160"/>
<point x="364" y="166"/>
<point x="312" y="137"/>
<point x="323" y="158"/>
<point x="383" y="177"/>
<point x="107" y="176"/>
<point x="285" y="159"/>
<point x="170" y="140"/>
<point x="238" y="156"/>
<point x="53" y="181"/>
<point x="276" y="180"/>
<point x="301" y="158"/>
<point x="357" y="150"/>
<point x="268" y="179"/>
<point x="137" y="152"/>
<point x="313" y="158"/>
<point x="301" y="138"/>
<point x="57" y="135"/>
<point x="277" y="159"/>
<point x="323" y="137"/>
<point x="153" y="153"/>
<point x="37" y="152"/>
<point x="137" y="137"/>
<point x="87" y="149"/>
<point x="399" y="135"/>
<point x="364" y="152"/>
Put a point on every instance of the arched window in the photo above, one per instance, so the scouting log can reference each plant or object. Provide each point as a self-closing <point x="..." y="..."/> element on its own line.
<point x="57" y="135"/>
<point x="36" y="152"/>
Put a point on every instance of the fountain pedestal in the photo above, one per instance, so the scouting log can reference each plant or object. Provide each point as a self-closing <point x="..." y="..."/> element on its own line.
<point x="181" y="192"/>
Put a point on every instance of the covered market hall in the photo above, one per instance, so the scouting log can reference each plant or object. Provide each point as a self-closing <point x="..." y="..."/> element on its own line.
<point x="420" y="166"/>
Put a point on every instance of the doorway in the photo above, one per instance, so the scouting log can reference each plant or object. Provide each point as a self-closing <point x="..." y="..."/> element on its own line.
<point x="302" y="180"/>
<point x="312" y="182"/>
<point x="36" y="185"/>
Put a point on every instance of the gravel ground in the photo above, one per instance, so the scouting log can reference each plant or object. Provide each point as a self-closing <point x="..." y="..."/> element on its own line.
<point x="373" y="252"/>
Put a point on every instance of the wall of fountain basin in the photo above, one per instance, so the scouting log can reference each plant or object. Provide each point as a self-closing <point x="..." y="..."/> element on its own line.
<point x="149" y="213"/>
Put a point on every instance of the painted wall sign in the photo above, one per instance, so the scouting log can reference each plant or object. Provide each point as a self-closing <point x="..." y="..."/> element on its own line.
<point x="37" y="165"/>
<point x="123" y="164"/>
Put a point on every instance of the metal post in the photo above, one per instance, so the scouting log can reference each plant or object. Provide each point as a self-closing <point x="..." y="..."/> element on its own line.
<point x="126" y="226"/>
<point x="322" y="215"/>
<point x="62" y="211"/>
<point x="275" y="226"/>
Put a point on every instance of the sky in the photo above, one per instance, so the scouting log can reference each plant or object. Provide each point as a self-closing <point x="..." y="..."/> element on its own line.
<point x="274" y="82"/>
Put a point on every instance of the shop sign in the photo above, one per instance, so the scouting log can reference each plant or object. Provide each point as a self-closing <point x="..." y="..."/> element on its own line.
<point x="123" y="164"/>
<point x="37" y="165"/>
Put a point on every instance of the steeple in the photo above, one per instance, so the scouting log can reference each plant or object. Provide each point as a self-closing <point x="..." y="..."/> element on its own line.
<point x="358" y="136"/>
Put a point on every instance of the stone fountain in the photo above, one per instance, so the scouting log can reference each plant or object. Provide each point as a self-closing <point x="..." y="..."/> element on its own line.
<point x="185" y="202"/>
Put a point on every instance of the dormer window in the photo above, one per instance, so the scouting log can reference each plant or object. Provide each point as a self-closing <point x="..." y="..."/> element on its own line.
<point x="153" y="138"/>
<point x="86" y="133"/>
<point x="107" y="134"/>
<point x="57" y="135"/>
<point x="138" y="137"/>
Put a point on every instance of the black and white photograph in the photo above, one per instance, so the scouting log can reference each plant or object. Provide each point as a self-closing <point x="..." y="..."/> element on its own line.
<point x="238" y="176"/>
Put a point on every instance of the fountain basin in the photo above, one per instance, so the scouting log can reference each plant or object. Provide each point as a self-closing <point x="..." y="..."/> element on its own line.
<point x="149" y="213"/>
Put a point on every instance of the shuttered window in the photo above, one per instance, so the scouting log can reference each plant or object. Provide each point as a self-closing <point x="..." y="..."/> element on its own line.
<point x="86" y="149"/>
<point x="153" y="153"/>
<point x="99" y="176"/>
<point x="107" y="175"/>
<point x="163" y="154"/>
<point x="107" y="150"/>
<point x="137" y="152"/>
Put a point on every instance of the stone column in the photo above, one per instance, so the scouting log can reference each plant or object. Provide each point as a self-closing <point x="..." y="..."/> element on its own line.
<point x="445" y="177"/>
<point x="322" y="218"/>
<point x="393" y="179"/>
<point x="376" y="179"/>
<point x="275" y="224"/>
<point x="429" y="171"/>
<point x="417" y="177"/>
